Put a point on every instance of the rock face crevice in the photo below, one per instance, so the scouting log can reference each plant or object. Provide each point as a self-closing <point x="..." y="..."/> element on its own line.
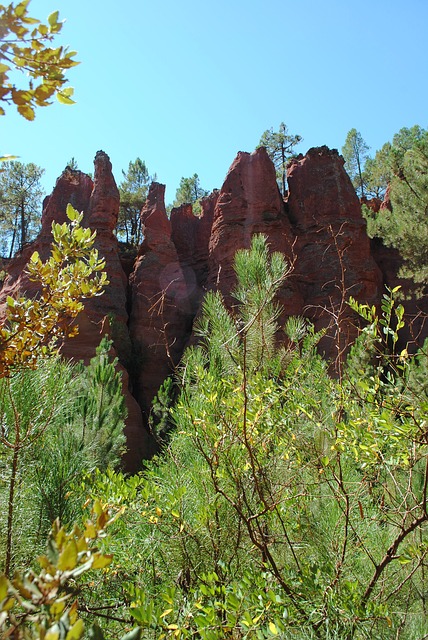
<point x="149" y="306"/>
<point x="160" y="318"/>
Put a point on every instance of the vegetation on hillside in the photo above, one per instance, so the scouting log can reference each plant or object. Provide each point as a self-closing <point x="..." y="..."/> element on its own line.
<point x="285" y="503"/>
<point x="21" y="197"/>
<point x="402" y="167"/>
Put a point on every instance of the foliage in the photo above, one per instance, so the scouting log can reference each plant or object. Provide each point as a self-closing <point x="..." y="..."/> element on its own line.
<point x="72" y="164"/>
<point x="102" y="407"/>
<point x="388" y="161"/>
<point x="65" y="421"/>
<point x="44" y="604"/>
<point x="20" y="199"/>
<point x="88" y="435"/>
<point x="377" y="173"/>
<point x="26" y="49"/>
<point x="355" y="154"/>
<point x="280" y="147"/>
<point x="287" y="503"/>
<point x="400" y="167"/>
<point x="133" y="193"/>
<point x="190" y="192"/>
<point x="28" y="405"/>
<point x="33" y="329"/>
<point x="406" y="227"/>
<point x="73" y="271"/>
<point x="160" y="422"/>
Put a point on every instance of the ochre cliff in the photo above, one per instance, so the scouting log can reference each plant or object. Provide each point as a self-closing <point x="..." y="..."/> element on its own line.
<point x="99" y="200"/>
<point x="160" y="318"/>
<point x="149" y="315"/>
<point x="333" y="257"/>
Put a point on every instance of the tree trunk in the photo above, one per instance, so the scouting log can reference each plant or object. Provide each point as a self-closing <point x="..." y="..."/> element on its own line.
<point x="23" y="229"/>
<point x="12" y="484"/>
<point x="283" y="170"/>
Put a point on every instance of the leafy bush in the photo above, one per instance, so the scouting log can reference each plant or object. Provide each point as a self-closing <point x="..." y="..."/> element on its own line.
<point x="70" y="420"/>
<point x="287" y="503"/>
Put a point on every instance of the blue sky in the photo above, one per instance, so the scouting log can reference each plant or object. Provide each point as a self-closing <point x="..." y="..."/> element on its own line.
<point x="186" y="84"/>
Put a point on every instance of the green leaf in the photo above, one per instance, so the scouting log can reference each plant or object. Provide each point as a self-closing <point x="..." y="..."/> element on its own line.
<point x="4" y="585"/>
<point x="63" y="99"/>
<point x="72" y="213"/>
<point x="4" y="67"/>
<point x="273" y="629"/>
<point x="101" y="561"/>
<point x="53" y="18"/>
<point x="76" y="630"/>
<point x="68" y="558"/>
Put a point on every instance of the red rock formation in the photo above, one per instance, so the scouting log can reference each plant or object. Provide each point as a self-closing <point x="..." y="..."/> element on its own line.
<point x="386" y="204"/>
<point x="318" y="226"/>
<point x="100" y="203"/>
<point x="160" y="318"/>
<point x="332" y="248"/>
<point x="249" y="202"/>
<point x="191" y="235"/>
<point x="374" y="204"/>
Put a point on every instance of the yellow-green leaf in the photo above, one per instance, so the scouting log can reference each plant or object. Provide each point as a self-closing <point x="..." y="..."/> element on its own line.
<point x="53" y="633"/>
<point x="21" y="8"/>
<point x="4" y="585"/>
<point x="72" y="213"/>
<point x="76" y="630"/>
<point x="101" y="561"/>
<point x="63" y="99"/>
<point x="8" y="604"/>
<point x="273" y="629"/>
<point x="57" y="608"/>
<point x="68" y="558"/>
<point x="90" y="531"/>
<point x="53" y="18"/>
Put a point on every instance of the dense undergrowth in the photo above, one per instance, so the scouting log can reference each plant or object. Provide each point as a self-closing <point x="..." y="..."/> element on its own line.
<point x="284" y="503"/>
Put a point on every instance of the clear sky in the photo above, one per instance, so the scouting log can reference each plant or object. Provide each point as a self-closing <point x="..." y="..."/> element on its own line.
<point x="186" y="84"/>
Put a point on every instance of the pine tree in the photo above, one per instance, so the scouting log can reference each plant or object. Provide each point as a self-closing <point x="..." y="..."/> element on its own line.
<point x="133" y="193"/>
<point x="21" y="197"/>
<point x="406" y="227"/>
<point x="101" y="407"/>
<point x="355" y="154"/>
<point x="280" y="147"/>
<point x="190" y="192"/>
